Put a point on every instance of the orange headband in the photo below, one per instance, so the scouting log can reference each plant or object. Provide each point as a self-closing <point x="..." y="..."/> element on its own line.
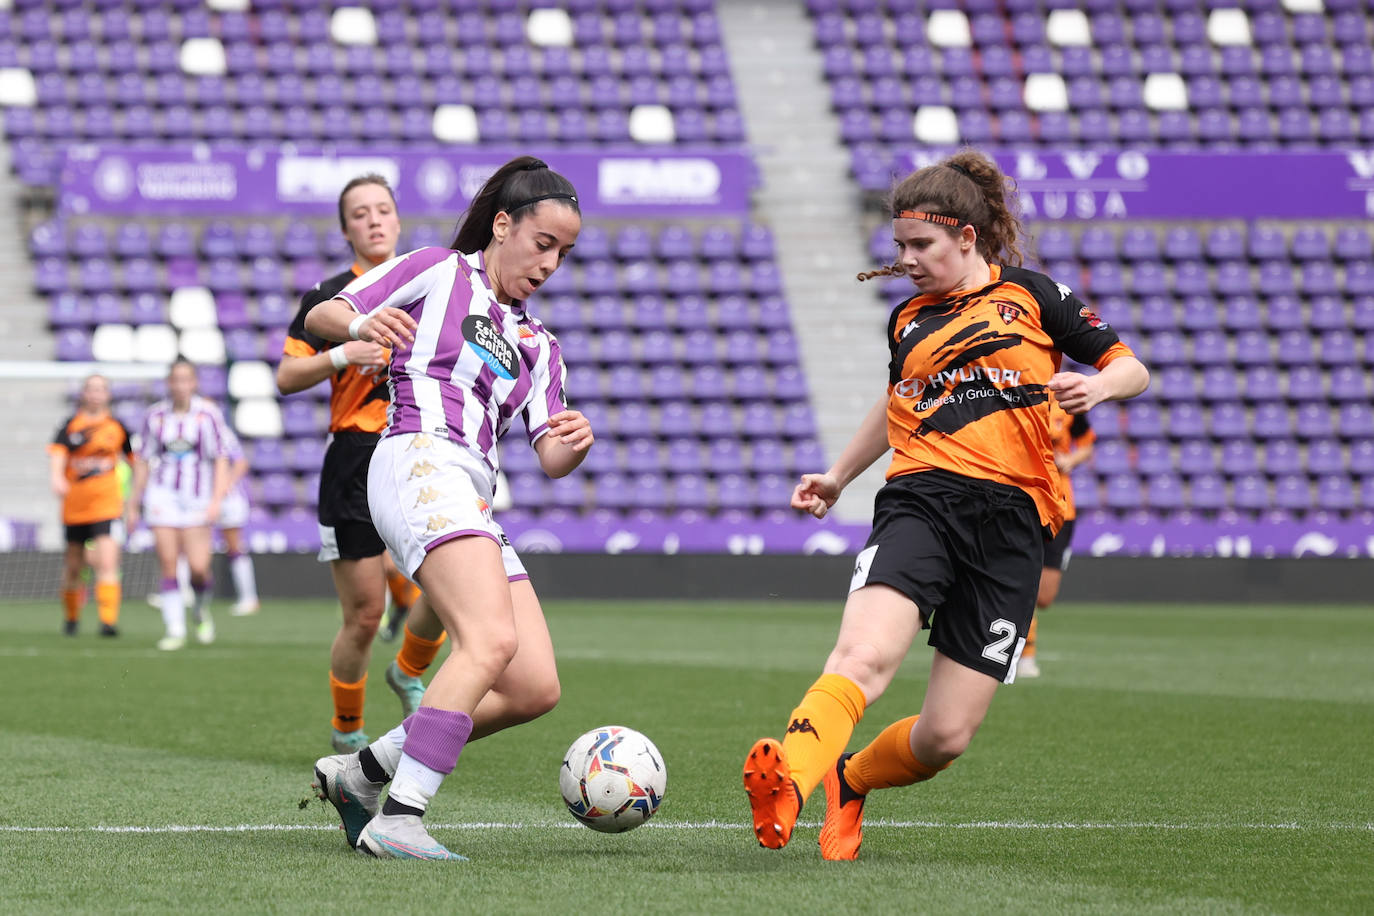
<point x="928" y="217"/>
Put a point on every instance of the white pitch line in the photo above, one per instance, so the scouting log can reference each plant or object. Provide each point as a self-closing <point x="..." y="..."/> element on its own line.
<point x="695" y="825"/>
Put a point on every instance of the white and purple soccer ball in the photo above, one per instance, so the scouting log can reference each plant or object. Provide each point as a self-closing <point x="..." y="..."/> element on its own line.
<point x="612" y="779"/>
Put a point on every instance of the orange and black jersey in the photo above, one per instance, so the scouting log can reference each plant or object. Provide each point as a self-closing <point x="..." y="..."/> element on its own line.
<point x="968" y="374"/>
<point x="1068" y="434"/>
<point x="358" y="397"/>
<point x="93" y="445"/>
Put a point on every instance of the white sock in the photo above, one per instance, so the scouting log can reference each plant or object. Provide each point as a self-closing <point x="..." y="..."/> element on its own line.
<point x="183" y="575"/>
<point x="245" y="582"/>
<point x="414" y="784"/>
<point x="173" y="613"/>
<point x="387" y="749"/>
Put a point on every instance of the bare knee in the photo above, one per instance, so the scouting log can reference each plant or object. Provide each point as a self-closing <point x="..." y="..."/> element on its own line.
<point x="361" y="620"/>
<point x="864" y="664"/>
<point x="536" y="697"/>
<point x="937" y="742"/>
<point x="490" y="651"/>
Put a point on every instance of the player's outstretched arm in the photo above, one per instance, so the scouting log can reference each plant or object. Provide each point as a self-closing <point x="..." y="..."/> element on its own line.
<point x="1122" y="378"/>
<point x="566" y="443"/>
<point x="818" y="492"/>
<point x="335" y="319"/>
<point x="297" y="373"/>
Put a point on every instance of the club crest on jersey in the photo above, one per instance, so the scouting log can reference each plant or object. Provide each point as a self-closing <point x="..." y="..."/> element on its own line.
<point x="1091" y="317"/>
<point x="1008" y="311"/>
<point x="484" y="507"/>
<point x="486" y="341"/>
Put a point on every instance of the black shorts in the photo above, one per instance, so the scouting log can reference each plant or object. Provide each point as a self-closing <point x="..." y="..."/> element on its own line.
<point x="968" y="553"/>
<point x="346" y="529"/>
<point x="80" y="534"/>
<point x="1059" y="549"/>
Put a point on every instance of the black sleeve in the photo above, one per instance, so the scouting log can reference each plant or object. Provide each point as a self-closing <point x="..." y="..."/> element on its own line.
<point x="894" y="366"/>
<point x="1076" y="329"/>
<point x="1079" y="427"/>
<point x="127" y="447"/>
<point x="311" y="299"/>
<point x="62" y="438"/>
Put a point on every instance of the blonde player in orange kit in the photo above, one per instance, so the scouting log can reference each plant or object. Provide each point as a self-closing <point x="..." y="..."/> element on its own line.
<point x="362" y="570"/>
<point x="958" y="530"/>
<point x="85" y="457"/>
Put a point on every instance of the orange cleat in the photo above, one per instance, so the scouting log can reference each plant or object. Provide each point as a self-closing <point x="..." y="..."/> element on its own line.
<point x="843" y="830"/>
<point x="773" y="795"/>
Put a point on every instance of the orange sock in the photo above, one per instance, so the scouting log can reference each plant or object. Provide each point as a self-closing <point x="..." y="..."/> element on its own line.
<point x="73" y="599"/>
<point x="107" y="595"/>
<point x="1029" y="650"/>
<point x="417" y="654"/>
<point x="348" y="703"/>
<point x="820" y="727"/>
<point x="403" y="591"/>
<point x="888" y="761"/>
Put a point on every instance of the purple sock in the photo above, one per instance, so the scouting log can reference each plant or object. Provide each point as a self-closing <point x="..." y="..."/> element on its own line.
<point x="435" y="737"/>
<point x="169" y="584"/>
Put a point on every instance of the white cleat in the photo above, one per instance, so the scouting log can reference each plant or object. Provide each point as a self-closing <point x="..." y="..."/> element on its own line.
<point x="245" y="608"/>
<point x="205" y="630"/>
<point x="339" y="780"/>
<point x="171" y="643"/>
<point x="1027" y="667"/>
<point x="402" y="836"/>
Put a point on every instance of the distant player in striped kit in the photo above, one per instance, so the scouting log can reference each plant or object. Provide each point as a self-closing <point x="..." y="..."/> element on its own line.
<point x="181" y="475"/>
<point x="467" y="357"/>
<point x="85" y="460"/>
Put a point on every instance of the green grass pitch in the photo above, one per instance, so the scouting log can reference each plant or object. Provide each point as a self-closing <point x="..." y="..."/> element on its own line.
<point x="1172" y="759"/>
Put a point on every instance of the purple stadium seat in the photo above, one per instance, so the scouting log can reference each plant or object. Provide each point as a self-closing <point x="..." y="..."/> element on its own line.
<point x="1335" y="493"/>
<point x="708" y="382"/>
<point x="1252" y="348"/>
<point x="1306" y="384"/>
<point x="1271" y="421"/>
<point x="1250" y="493"/>
<point x="1361" y="458"/>
<point x="1324" y="456"/>
<point x="1154" y="456"/>
<point x="1196" y="456"/>
<point x="1314" y="421"/>
<point x="1183" y="420"/>
<point x="1164" y="492"/>
<point x="1292" y="492"/>
<point x="1123" y="493"/>
<point x="1349" y="384"/>
<point x="1281" y="456"/>
<point x="1229" y="421"/>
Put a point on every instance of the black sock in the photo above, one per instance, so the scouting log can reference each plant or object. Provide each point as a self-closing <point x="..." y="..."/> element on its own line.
<point x="392" y="808"/>
<point x="372" y="770"/>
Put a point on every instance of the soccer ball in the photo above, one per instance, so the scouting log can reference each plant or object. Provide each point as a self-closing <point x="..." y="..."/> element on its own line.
<point x="612" y="779"/>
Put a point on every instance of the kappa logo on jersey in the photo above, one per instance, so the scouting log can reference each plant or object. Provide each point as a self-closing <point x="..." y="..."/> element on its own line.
<point x="1064" y="291"/>
<point x="1091" y="317"/>
<point x="438" y="523"/>
<point x="427" y="495"/>
<point x="910" y="326"/>
<point x="419" y="440"/>
<point x="486" y="341"/>
<point x="1009" y="311"/>
<point x="421" y="469"/>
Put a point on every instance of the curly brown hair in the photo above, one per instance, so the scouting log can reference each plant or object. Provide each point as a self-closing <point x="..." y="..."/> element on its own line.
<point x="970" y="187"/>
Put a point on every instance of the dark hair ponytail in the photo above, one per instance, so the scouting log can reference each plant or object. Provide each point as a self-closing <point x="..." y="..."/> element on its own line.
<point x="516" y="187"/>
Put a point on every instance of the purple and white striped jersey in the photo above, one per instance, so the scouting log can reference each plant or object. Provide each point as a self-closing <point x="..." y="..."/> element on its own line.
<point x="181" y="448"/>
<point x="475" y="363"/>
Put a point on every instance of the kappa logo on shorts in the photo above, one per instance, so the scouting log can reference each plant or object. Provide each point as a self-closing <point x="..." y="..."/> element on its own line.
<point x="421" y="469"/>
<point x="438" y="523"/>
<point x="419" y="440"/>
<point x="427" y="495"/>
<point x="803" y="726"/>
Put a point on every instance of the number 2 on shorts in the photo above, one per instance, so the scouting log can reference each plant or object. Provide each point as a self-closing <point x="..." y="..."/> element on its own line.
<point x="997" y="649"/>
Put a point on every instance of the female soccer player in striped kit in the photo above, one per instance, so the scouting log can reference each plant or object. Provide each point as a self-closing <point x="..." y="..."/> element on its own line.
<point x="181" y="474"/>
<point x="467" y="357"/>
<point x="958" y="531"/>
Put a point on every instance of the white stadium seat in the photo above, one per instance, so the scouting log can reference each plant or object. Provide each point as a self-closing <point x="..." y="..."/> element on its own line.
<point x="1166" y="92"/>
<point x="936" y="125"/>
<point x="548" y="28"/>
<point x="652" y="124"/>
<point x="192" y="307"/>
<point x="112" y="343"/>
<point x="203" y="346"/>
<point x="228" y="6"/>
<point x="455" y="124"/>
<point x="258" y="418"/>
<point x="1303" y="6"/>
<point x="1066" y="28"/>
<point x="353" y="25"/>
<point x="948" y="29"/>
<point x="1046" y="92"/>
<point x="155" y="343"/>
<point x="202" y="57"/>
<point x="17" y="88"/>
<point x="252" y="379"/>
<point x="1228" y="26"/>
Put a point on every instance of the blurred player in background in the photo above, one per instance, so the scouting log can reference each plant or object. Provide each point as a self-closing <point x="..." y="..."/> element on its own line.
<point x="357" y="374"/>
<point x="232" y="517"/>
<point x="85" y="460"/>
<point x="959" y="529"/>
<point x="469" y="358"/>
<point x="181" y="474"/>
<point x="1073" y="439"/>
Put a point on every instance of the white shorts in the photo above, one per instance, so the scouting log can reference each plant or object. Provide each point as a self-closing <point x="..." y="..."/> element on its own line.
<point x="426" y="490"/>
<point x="233" y="512"/>
<point x="164" y="508"/>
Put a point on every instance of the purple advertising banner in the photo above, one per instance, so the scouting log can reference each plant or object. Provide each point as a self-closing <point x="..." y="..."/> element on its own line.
<point x="201" y="181"/>
<point x="1134" y="184"/>
<point x="1097" y="535"/>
